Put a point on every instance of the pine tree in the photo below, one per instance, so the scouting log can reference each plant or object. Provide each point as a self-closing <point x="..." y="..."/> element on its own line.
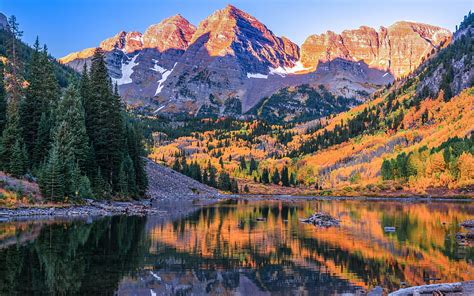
<point x="276" y="177"/>
<point x="130" y="176"/>
<point x="285" y="180"/>
<point x="11" y="135"/>
<point x="104" y="120"/>
<point x="72" y="178"/>
<point x="136" y="152"/>
<point x="122" y="181"/>
<point x="243" y="164"/>
<point x="221" y="162"/>
<point x="70" y="115"/>
<point x="42" y="93"/>
<point x="85" y="188"/>
<point x="43" y="139"/>
<point x="234" y="186"/>
<point x="386" y="170"/>
<point x="3" y="101"/>
<point x="265" y="176"/>
<point x="253" y="166"/>
<point x="51" y="180"/>
<point x="293" y="181"/>
<point x="224" y="182"/>
<point x="101" y="187"/>
<point x="18" y="160"/>
<point x="176" y="165"/>
<point x="212" y="175"/>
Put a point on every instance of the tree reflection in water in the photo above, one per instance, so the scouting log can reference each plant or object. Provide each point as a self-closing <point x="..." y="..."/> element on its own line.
<point x="223" y="249"/>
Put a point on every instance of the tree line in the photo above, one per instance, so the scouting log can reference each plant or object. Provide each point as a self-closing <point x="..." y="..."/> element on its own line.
<point x="207" y="174"/>
<point x="76" y="142"/>
<point x="452" y="161"/>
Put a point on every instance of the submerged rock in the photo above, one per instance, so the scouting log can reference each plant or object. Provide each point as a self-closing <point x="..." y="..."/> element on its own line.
<point x="389" y="228"/>
<point x="321" y="219"/>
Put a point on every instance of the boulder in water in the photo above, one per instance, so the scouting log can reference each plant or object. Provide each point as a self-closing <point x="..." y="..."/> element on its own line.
<point x="321" y="219"/>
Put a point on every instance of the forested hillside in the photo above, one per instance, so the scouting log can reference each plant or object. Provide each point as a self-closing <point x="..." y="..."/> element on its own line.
<point x="71" y="135"/>
<point x="414" y="135"/>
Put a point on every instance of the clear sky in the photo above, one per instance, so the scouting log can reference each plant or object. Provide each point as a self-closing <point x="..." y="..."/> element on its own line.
<point x="72" y="25"/>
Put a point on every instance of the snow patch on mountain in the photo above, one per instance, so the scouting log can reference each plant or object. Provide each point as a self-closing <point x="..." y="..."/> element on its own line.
<point x="164" y="76"/>
<point x="283" y="71"/>
<point x="127" y="71"/>
<point x="158" y="68"/>
<point x="257" y="76"/>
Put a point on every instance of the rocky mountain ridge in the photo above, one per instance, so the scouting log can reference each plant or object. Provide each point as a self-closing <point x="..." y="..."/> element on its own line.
<point x="231" y="58"/>
<point x="399" y="49"/>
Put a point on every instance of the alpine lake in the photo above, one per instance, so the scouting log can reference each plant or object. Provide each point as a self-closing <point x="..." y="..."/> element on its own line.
<point x="241" y="247"/>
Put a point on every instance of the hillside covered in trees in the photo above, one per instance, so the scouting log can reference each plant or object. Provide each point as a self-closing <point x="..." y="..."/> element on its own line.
<point x="70" y="134"/>
<point x="414" y="135"/>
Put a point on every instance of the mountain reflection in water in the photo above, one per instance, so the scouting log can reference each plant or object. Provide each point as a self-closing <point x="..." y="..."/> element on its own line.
<point x="225" y="249"/>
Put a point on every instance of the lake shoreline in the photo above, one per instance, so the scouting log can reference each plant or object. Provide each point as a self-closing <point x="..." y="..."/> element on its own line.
<point x="175" y="207"/>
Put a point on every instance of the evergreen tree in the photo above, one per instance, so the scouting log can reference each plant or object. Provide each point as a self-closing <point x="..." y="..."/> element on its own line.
<point x="276" y="177"/>
<point x="3" y="101"/>
<point x="10" y="137"/>
<point x="243" y="164"/>
<point x="18" y="160"/>
<point x="212" y="175"/>
<point x="234" y="186"/>
<point x="70" y="116"/>
<point x="104" y="121"/>
<point x="85" y="188"/>
<point x="176" y="165"/>
<point x="265" y="176"/>
<point x="224" y="182"/>
<point x="253" y="166"/>
<point x="221" y="162"/>
<point x="122" y="182"/>
<point x="51" y="180"/>
<point x="43" y="139"/>
<point x="129" y="170"/>
<point x="285" y="179"/>
<point x="386" y="170"/>
<point x="293" y="181"/>
<point x="42" y="93"/>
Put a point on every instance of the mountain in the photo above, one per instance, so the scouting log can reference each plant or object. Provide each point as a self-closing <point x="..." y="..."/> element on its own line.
<point x="399" y="49"/>
<point x="232" y="59"/>
<point x="412" y="137"/>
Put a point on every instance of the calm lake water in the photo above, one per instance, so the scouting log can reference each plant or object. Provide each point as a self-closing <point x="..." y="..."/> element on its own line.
<point x="224" y="250"/>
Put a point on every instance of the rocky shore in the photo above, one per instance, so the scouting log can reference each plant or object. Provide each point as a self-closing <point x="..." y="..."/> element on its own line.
<point x="170" y="194"/>
<point x="448" y="289"/>
<point x="89" y="209"/>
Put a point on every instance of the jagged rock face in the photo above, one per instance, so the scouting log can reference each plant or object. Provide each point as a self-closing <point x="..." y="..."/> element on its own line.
<point x="231" y="61"/>
<point x="231" y="31"/>
<point x="461" y="68"/>
<point x="400" y="48"/>
<point x="172" y="33"/>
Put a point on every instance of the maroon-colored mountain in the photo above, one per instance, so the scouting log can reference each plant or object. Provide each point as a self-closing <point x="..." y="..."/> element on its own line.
<point x="231" y="61"/>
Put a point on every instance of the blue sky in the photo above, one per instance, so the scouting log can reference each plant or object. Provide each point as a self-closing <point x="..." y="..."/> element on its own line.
<point x="71" y="25"/>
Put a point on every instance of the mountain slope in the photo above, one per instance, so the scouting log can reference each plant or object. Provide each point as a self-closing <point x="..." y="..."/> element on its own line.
<point x="417" y="125"/>
<point x="63" y="73"/>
